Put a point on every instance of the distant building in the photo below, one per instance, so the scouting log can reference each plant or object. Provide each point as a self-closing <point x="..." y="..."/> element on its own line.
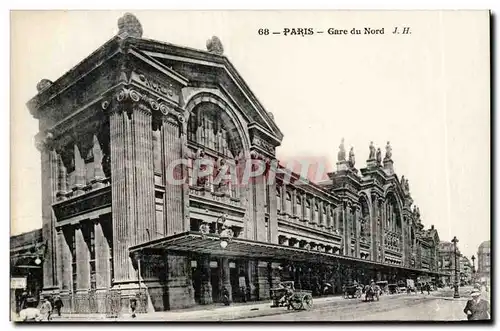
<point x="465" y="271"/>
<point x="446" y="261"/>
<point x="483" y="262"/>
<point x="26" y="273"/>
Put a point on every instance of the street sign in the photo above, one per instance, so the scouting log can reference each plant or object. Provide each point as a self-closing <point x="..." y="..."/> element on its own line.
<point x="18" y="283"/>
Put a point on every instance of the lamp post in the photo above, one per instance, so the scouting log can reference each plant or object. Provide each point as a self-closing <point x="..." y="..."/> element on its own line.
<point x="456" y="294"/>
<point x="473" y="269"/>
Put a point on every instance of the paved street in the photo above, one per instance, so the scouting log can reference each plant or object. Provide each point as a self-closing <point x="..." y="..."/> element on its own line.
<point x="395" y="308"/>
<point x="439" y="306"/>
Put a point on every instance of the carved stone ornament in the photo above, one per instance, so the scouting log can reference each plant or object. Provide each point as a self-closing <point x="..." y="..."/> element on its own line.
<point x="388" y="151"/>
<point x="341" y="153"/>
<point x="379" y="155"/>
<point x="372" y="151"/>
<point x="43" y="85"/>
<point x="214" y="45"/>
<point x="352" y="160"/>
<point x="129" y="25"/>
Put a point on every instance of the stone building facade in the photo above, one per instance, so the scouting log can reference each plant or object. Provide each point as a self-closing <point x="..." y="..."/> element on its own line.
<point x="118" y="132"/>
<point x="484" y="262"/>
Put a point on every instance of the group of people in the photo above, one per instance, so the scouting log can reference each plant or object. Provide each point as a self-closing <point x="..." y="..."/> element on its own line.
<point x="32" y="312"/>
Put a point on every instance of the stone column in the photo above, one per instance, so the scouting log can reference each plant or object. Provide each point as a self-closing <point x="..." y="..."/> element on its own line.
<point x="82" y="260"/>
<point x="144" y="175"/>
<point x="132" y="186"/>
<point x="251" y="274"/>
<point x="102" y="265"/>
<point x="123" y="208"/>
<point x="49" y="176"/>
<point x="206" y="284"/>
<point x="174" y="193"/>
<point x="83" y="271"/>
<point x="225" y="278"/>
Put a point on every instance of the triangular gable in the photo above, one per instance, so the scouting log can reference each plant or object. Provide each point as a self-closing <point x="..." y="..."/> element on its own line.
<point x="173" y="54"/>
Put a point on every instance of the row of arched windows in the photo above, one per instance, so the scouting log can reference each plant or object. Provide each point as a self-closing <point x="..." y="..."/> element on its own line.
<point x="306" y="208"/>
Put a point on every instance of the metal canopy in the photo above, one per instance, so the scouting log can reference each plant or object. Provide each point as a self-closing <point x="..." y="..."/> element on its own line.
<point x="197" y="242"/>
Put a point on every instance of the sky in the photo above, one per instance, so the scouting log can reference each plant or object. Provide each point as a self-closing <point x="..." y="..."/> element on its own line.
<point x="426" y="92"/>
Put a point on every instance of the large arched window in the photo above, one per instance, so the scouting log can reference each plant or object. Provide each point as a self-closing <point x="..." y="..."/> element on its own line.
<point x="307" y="216"/>
<point x="212" y="131"/>
<point x="316" y="212"/>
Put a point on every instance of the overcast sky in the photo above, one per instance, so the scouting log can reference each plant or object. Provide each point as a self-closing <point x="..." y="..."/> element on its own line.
<point x="427" y="93"/>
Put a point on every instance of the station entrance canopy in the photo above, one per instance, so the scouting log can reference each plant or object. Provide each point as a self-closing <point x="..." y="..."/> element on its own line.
<point x="199" y="243"/>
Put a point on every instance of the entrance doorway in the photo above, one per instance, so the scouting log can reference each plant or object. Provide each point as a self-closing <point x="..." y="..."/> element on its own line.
<point x="215" y="280"/>
<point x="239" y="281"/>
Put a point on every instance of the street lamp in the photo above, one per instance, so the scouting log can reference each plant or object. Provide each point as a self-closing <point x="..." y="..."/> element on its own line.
<point x="225" y="234"/>
<point x="456" y="295"/>
<point x="473" y="269"/>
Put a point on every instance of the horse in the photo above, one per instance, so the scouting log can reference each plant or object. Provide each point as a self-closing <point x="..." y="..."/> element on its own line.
<point x="372" y="292"/>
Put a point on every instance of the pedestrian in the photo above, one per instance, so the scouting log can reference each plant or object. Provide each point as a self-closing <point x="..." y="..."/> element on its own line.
<point x="477" y="308"/>
<point x="428" y="288"/>
<point x="58" y="304"/>
<point x="225" y="297"/>
<point x="46" y="310"/>
<point x="133" y="306"/>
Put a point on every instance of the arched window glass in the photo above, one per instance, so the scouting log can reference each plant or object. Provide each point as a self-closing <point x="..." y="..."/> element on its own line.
<point x="288" y="209"/>
<point x="298" y="211"/>
<point x="316" y="212"/>
<point x="308" y="210"/>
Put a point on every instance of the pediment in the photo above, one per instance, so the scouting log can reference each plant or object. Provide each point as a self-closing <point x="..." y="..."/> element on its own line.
<point x="202" y="68"/>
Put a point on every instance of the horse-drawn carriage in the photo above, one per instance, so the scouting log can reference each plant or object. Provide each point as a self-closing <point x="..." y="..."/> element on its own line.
<point x="352" y="291"/>
<point x="285" y="295"/>
<point x="393" y="288"/>
<point x="372" y="292"/>
<point x="384" y="286"/>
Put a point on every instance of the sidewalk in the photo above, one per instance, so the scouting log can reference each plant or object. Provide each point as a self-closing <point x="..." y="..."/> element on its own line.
<point x="215" y="312"/>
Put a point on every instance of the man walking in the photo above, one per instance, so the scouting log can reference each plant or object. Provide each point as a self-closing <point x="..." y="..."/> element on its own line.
<point x="477" y="308"/>
<point x="58" y="304"/>
<point x="46" y="310"/>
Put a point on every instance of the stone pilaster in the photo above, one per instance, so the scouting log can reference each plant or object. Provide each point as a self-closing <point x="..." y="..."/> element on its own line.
<point x="374" y="228"/>
<point x="382" y="229"/>
<point x="225" y="278"/>
<point x="49" y="167"/>
<point x="357" y="212"/>
<point x="206" y="284"/>
<point x="122" y="211"/>
<point x="174" y="193"/>
<point x="179" y="286"/>
<point x="82" y="260"/>
<point x="144" y="174"/>
<point x="251" y="274"/>
<point x="347" y="228"/>
<point x="102" y="255"/>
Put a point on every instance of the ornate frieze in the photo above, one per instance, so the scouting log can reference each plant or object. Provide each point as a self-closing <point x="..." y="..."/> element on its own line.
<point x="142" y="101"/>
<point x="256" y="141"/>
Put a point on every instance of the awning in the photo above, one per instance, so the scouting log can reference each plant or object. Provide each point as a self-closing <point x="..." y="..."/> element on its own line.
<point x="210" y="244"/>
